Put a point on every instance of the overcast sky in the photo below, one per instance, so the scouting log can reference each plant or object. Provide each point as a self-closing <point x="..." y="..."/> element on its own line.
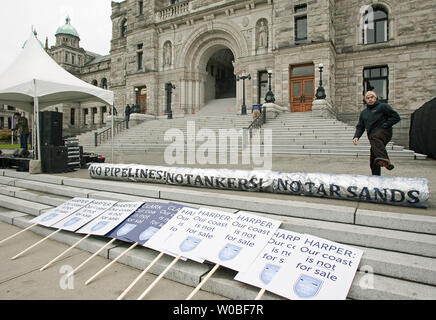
<point x="91" y="18"/>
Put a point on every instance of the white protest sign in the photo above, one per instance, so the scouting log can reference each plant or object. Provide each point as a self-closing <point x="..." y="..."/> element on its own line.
<point x="283" y="245"/>
<point x="322" y="270"/>
<point x="64" y="210"/>
<point x="238" y="245"/>
<point x="110" y="218"/>
<point x="175" y="224"/>
<point x="200" y="231"/>
<point x="84" y="215"/>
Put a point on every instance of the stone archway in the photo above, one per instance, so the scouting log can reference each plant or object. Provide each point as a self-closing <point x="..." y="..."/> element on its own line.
<point x="200" y="49"/>
<point x="220" y="80"/>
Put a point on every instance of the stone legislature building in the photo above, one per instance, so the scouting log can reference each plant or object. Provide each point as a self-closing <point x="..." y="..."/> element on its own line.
<point x="201" y="46"/>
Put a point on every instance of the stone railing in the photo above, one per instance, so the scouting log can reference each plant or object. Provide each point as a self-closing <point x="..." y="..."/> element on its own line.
<point x="173" y="11"/>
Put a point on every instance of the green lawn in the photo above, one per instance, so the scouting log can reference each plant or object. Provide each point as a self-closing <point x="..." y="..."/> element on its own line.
<point x="11" y="146"/>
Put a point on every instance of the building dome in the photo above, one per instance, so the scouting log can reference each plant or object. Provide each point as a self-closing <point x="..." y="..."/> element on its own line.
<point x="67" y="29"/>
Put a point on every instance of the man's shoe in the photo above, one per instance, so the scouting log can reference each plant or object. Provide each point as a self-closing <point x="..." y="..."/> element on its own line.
<point x="384" y="163"/>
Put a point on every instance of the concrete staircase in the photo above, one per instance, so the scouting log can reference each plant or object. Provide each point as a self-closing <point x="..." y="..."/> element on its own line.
<point x="399" y="249"/>
<point x="292" y="134"/>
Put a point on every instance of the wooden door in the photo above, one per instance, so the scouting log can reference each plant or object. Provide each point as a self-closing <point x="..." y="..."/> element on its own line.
<point x="142" y="102"/>
<point x="141" y="99"/>
<point x="302" y="94"/>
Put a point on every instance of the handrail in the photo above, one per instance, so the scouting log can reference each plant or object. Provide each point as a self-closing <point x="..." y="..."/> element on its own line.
<point x="257" y="123"/>
<point x="100" y="137"/>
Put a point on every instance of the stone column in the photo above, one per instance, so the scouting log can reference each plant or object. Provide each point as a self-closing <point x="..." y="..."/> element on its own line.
<point x="183" y="95"/>
<point x="197" y="96"/>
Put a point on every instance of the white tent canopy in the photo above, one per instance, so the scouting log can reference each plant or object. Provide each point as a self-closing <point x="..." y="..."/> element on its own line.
<point x="34" y="80"/>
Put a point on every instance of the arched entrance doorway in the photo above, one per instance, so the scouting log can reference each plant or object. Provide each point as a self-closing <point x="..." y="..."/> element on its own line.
<point x="218" y="45"/>
<point x="221" y="80"/>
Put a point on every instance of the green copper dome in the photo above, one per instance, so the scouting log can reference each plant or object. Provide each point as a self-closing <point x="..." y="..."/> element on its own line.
<point x="67" y="28"/>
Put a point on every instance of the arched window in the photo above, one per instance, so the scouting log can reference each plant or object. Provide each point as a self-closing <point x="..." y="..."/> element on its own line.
<point x="104" y="83"/>
<point x="94" y="83"/>
<point x="123" y="27"/>
<point x="375" y="24"/>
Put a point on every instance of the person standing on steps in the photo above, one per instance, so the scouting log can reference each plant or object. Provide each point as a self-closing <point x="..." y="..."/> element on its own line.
<point x="127" y="112"/>
<point x="377" y="119"/>
<point x="22" y="126"/>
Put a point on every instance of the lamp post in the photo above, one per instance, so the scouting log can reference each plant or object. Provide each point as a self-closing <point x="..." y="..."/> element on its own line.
<point x="320" y="92"/>
<point x="169" y="89"/>
<point x="244" y="107"/>
<point x="269" y="97"/>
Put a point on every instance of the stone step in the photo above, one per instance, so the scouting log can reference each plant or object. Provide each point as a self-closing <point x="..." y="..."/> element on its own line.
<point x="401" y="262"/>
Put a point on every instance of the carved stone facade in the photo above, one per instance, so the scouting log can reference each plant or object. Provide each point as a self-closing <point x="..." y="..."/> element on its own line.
<point x="262" y="35"/>
<point x="360" y="43"/>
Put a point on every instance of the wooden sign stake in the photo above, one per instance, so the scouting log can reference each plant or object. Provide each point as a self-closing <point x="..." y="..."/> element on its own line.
<point x="122" y="295"/>
<point x="40" y="241"/>
<point x="91" y="257"/>
<point x="158" y="278"/>
<point x="63" y="253"/>
<point x="18" y="233"/>
<point x="211" y="272"/>
<point x="111" y="263"/>
<point x="260" y="294"/>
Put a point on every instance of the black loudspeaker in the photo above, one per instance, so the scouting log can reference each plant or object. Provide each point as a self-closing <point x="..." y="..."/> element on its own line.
<point x="50" y="128"/>
<point x="54" y="159"/>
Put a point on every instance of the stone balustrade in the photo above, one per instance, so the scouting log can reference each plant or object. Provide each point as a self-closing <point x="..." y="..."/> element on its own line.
<point x="173" y="11"/>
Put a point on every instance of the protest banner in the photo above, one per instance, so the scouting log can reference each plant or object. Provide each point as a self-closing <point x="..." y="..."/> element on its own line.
<point x="157" y="220"/>
<point x="108" y="220"/>
<point x="158" y="241"/>
<point x="84" y="215"/>
<point x="404" y="191"/>
<point x="63" y="210"/>
<point x="175" y="224"/>
<point x="319" y="270"/>
<point x="140" y="226"/>
<point x="274" y="256"/>
<point x="145" y="222"/>
<point x="237" y="246"/>
<point x="200" y="231"/>
<point x="49" y="218"/>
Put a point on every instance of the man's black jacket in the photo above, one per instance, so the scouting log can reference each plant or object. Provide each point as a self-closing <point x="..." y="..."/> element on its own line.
<point x="379" y="115"/>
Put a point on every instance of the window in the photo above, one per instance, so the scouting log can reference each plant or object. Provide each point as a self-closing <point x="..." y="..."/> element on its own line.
<point x="375" y="25"/>
<point x="139" y="58"/>
<point x="300" y="28"/>
<point x="104" y="83"/>
<point x="123" y="27"/>
<point x="263" y="86"/>
<point x="72" y="116"/>
<point x="377" y="79"/>
<point x="141" y="7"/>
<point x="300" y="8"/>
<point x="94" y="83"/>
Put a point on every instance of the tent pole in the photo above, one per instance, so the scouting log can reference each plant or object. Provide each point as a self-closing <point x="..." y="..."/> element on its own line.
<point x="38" y="141"/>
<point x="113" y="115"/>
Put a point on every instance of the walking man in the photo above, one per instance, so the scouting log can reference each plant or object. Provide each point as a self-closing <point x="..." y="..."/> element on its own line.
<point x="377" y="119"/>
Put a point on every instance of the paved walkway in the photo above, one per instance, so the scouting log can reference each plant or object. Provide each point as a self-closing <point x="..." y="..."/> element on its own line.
<point x="21" y="278"/>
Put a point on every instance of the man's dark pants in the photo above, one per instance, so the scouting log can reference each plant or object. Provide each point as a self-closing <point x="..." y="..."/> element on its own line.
<point x="23" y="140"/>
<point x="378" y="140"/>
